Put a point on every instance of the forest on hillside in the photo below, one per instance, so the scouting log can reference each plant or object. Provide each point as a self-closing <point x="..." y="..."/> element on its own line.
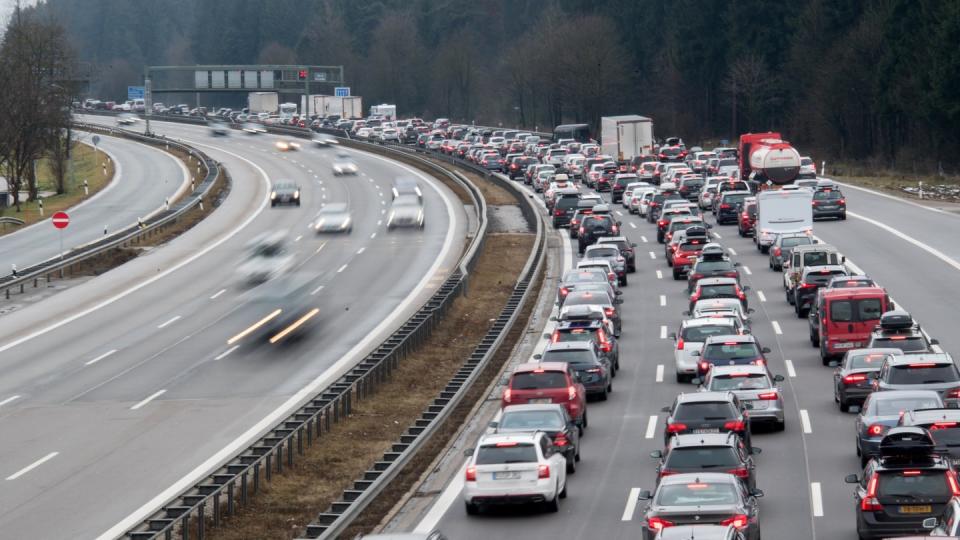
<point x="871" y="80"/>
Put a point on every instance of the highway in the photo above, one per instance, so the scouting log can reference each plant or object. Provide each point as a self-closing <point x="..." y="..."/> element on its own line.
<point x="118" y="392"/>
<point x="144" y="178"/>
<point x="908" y="248"/>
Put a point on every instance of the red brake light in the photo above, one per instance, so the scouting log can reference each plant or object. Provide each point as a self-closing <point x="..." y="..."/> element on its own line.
<point x="738" y="521"/>
<point x="571" y="393"/>
<point x="776" y="251"/>
<point x="543" y="471"/>
<point x="471" y="474"/>
<point x="608" y="311"/>
<point x="507" y="444"/>
<point x="875" y="430"/>
<point x="680" y="344"/>
<point x="507" y="395"/>
<point x="954" y="485"/>
<point x="676" y="428"/>
<point x="735" y="425"/>
<point x="855" y="378"/>
<point x="870" y="502"/>
<point x="767" y="396"/>
<point x="724" y="206"/>
<point x="911" y="473"/>
<point x="560" y="440"/>
<point x="658" y="524"/>
<point x="922" y="365"/>
<point x="556" y="336"/>
<point x="740" y="472"/>
<point x="705" y="366"/>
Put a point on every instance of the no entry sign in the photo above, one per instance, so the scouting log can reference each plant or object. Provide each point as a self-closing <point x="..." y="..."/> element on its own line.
<point x="60" y="220"/>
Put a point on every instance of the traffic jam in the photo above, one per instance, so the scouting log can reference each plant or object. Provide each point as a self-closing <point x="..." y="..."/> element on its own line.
<point x="890" y="379"/>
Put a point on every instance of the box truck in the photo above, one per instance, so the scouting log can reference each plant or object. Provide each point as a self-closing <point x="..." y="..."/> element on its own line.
<point x="782" y="211"/>
<point x="388" y="112"/>
<point x="263" y="102"/>
<point x="625" y="137"/>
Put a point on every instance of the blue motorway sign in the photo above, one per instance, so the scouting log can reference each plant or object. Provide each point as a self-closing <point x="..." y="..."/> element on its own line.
<point x="135" y="92"/>
<point x="341" y="91"/>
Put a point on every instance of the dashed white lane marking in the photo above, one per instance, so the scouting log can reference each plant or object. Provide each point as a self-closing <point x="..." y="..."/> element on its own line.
<point x="663" y="332"/>
<point x="297" y="239"/>
<point x="217" y="294"/>
<point x="634" y="225"/>
<point x="10" y="399"/>
<point x="659" y="274"/>
<point x="373" y="235"/>
<point x="732" y="251"/>
<point x="361" y="250"/>
<point x="790" y="371"/>
<point x="619" y="213"/>
<point x="379" y="222"/>
<point x="663" y="299"/>
<point x="150" y="398"/>
<point x="816" y="499"/>
<point x="747" y="270"/>
<point x="643" y="238"/>
<point x="651" y="426"/>
<point x="315" y="291"/>
<point x="224" y="354"/>
<point x="33" y="465"/>
<point x="169" y="322"/>
<point x="717" y="236"/>
<point x="653" y="255"/>
<point x="761" y="296"/>
<point x="320" y="248"/>
<point x="97" y="359"/>
<point x="659" y="372"/>
<point x="805" y="421"/>
<point x="341" y="269"/>
<point x="776" y="328"/>
<point x="632" y="499"/>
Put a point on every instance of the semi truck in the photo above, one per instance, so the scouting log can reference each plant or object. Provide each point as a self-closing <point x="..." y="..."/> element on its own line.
<point x="388" y="112"/>
<point x="627" y="136"/>
<point x="323" y="106"/>
<point x="263" y="102"/>
<point x="766" y="157"/>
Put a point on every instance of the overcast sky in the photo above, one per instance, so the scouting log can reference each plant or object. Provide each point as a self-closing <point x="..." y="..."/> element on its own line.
<point x="6" y="8"/>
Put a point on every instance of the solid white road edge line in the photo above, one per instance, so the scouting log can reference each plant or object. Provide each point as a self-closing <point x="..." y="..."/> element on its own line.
<point x="331" y="374"/>
<point x="805" y="421"/>
<point x="632" y="499"/>
<point x="149" y="398"/>
<point x="790" y="371"/>
<point x="651" y="427"/>
<point x="440" y="507"/>
<point x="903" y="236"/>
<point x="33" y="465"/>
<point x="97" y="359"/>
<point x="816" y="499"/>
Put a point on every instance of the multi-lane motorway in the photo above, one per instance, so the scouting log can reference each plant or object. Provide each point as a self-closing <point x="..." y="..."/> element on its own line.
<point x="910" y="249"/>
<point x="118" y="392"/>
<point x="145" y="177"/>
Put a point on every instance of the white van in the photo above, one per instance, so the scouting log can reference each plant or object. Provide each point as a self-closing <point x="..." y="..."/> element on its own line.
<point x="782" y="211"/>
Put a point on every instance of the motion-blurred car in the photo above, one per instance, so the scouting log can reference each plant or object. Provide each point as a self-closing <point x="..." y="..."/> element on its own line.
<point x="323" y="141"/>
<point x="406" y="211"/>
<point x="405" y="185"/>
<point x="253" y="128"/>
<point x="218" y="128"/>
<point x="267" y="258"/>
<point x="344" y="164"/>
<point x="285" y="192"/>
<point x="126" y="119"/>
<point x="332" y="218"/>
<point x="287" y="146"/>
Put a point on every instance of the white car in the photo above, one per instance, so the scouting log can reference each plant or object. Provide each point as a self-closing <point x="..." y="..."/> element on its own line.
<point x="126" y="119"/>
<point x="721" y="306"/>
<point x="344" y="164"/>
<point x="637" y="197"/>
<point x="644" y="205"/>
<point x="515" y="468"/>
<point x="267" y="258"/>
<point x="691" y="337"/>
<point x="628" y="191"/>
<point x="364" y="133"/>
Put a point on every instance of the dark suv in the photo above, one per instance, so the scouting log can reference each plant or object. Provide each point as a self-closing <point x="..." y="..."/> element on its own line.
<point x="706" y="412"/>
<point x="591" y="330"/>
<point x="728" y="204"/>
<point x="897" y="330"/>
<point x="731" y="350"/>
<point x="590" y="369"/>
<point x="814" y="277"/>
<point x="708" y="453"/>
<point x="907" y="484"/>
<point x="829" y="203"/>
<point x="563" y="209"/>
<point x="595" y="226"/>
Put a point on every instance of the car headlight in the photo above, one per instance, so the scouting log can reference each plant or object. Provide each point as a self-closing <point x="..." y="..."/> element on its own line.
<point x="419" y="193"/>
<point x="337" y="169"/>
<point x="390" y="219"/>
<point x="296" y="194"/>
<point x="319" y="224"/>
<point x="273" y="195"/>
<point x="345" y="224"/>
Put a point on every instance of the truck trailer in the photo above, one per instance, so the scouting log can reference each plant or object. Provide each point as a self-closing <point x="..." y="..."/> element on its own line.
<point x="263" y="102"/>
<point x="627" y="136"/>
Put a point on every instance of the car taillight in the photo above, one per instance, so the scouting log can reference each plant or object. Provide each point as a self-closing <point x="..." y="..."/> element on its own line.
<point x="952" y="482"/>
<point x="730" y="274"/>
<point x="724" y="206"/>
<point x="768" y="396"/>
<point x="608" y="311"/>
<point x="738" y="521"/>
<point x="666" y="472"/>
<point x="740" y="294"/>
<point x="611" y="276"/>
<point x="843" y="201"/>
<point x="696" y="276"/>
<point x="735" y="425"/>
<point x="875" y="430"/>
<point x="471" y="474"/>
<point x="953" y="394"/>
<point x="558" y="212"/>
<point x="581" y="230"/>
<point x="658" y="524"/>
<point x="739" y="472"/>
<point x="507" y="395"/>
<point x="564" y="291"/>
<point x="680" y="344"/>
<point x="594" y="370"/>
<point x="758" y="362"/>
<point x="560" y="440"/>
<point x="543" y="471"/>
<point x="855" y="378"/>
<point x="705" y="366"/>
<point x="695" y="296"/>
<point x="571" y="393"/>
<point x="870" y="502"/>
<point x="556" y="336"/>
<point x="807" y="285"/>
<point x="777" y="252"/>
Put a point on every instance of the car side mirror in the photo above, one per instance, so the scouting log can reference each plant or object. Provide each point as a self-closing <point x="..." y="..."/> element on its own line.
<point x="494" y="424"/>
<point x="673" y="336"/>
<point x="468" y="452"/>
<point x="697" y="381"/>
<point x="765" y="350"/>
<point x="833" y="363"/>
<point x="656" y="454"/>
<point x="618" y="292"/>
<point x="736" y="264"/>
<point x="666" y="409"/>
<point x="757" y="493"/>
<point x="843" y="259"/>
<point x="851" y="479"/>
<point x="929" y="523"/>
<point x="754" y="451"/>
<point x="934" y="341"/>
<point x="644" y="495"/>
<point x="537" y="356"/>
<point x="778" y="378"/>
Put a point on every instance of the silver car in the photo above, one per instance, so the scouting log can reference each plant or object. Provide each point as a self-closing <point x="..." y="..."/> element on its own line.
<point x="754" y="387"/>
<point x="612" y="255"/>
<point x="406" y="211"/>
<point x="344" y="164"/>
<point x="691" y="337"/>
<point x="713" y="306"/>
<point x="334" y="217"/>
<point x="267" y="258"/>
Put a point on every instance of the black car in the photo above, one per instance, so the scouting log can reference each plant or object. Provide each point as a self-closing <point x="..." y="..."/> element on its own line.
<point x="728" y="205"/>
<point x="606" y="179"/>
<point x="706" y="412"/>
<point x="853" y="378"/>
<point x="519" y="166"/>
<point x="285" y="192"/>
<point x="596" y="226"/>
<point x="590" y="330"/>
<point x="656" y="204"/>
<point x="550" y="418"/>
<point x="563" y="209"/>
<point x="584" y="208"/>
<point x="733" y="350"/>
<point x="829" y="203"/>
<point x="626" y="249"/>
<point x="592" y="370"/>
<point x="587" y="295"/>
<point x="898" y="330"/>
<point x="944" y="427"/>
<point x="690" y="188"/>
<point x="812" y="279"/>
<point x="620" y="185"/>
<point x="907" y="484"/>
<point x="708" y="452"/>
<point x="712" y="267"/>
<point x="712" y="498"/>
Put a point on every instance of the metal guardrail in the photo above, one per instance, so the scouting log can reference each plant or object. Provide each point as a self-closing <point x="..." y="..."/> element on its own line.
<point x="131" y="233"/>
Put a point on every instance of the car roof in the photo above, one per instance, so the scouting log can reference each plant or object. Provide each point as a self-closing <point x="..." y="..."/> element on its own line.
<point x="612" y="239"/>
<point x="928" y="358"/>
<point x="823" y="268"/>
<point x="581" y="309"/>
<point x="899" y="394"/>
<point x="718" y="302"/>
<point x="589" y="324"/>
<point x="513" y="436"/>
<point x="540" y="366"/>
<point x="532" y="407"/>
<point x="699" y="531"/>
<point x="728" y="370"/>
<point x="702" y="439"/>
<point x="924" y="416"/>
<point x="705" y="397"/>
<point x="706" y="321"/>
<point x="853" y="292"/>
<point x="814" y="247"/>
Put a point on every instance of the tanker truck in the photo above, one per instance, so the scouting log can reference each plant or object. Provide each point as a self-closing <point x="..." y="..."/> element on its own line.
<point x="766" y="157"/>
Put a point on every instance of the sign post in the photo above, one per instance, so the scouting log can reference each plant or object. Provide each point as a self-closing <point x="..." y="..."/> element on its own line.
<point x="60" y="221"/>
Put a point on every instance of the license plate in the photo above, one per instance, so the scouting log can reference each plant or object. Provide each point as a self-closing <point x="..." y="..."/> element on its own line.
<point x="848" y="345"/>
<point x="539" y="401"/>
<point x="916" y="509"/>
<point x="707" y="430"/>
<point x="509" y="475"/>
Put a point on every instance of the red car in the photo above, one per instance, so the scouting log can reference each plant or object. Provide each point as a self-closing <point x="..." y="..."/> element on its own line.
<point x="684" y="255"/>
<point x="548" y="382"/>
<point x="747" y="217"/>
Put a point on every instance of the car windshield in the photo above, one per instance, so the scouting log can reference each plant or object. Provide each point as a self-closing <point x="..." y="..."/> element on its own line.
<point x="707" y="410"/>
<point x="582" y="276"/>
<point x="718" y="291"/>
<point x="868" y="360"/>
<point x="702" y="457"/>
<point x="945" y="433"/>
<point x="502" y="454"/>
<point x="567" y="202"/>
<point x="571" y="357"/>
<point x="818" y="258"/>
<point x="823" y="276"/>
<point x="914" y="486"/>
<point x="713" y="266"/>
<point x="923" y="373"/>
<point x="531" y="420"/>
<point x="731" y="351"/>
<point x="865" y="309"/>
<point x="691" y="246"/>
<point x="603" y="253"/>
<point x="792" y="241"/>
<point x="827" y="196"/>
<point x="727" y="162"/>
<point x="906" y="344"/>
<point x="696" y="494"/>
<point x="533" y="380"/>
<point x="734" y="199"/>
<point x="574" y="334"/>
<point x="897" y="406"/>
<point x="736" y="381"/>
<point x="699" y="334"/>
<point x="585" y="298"/>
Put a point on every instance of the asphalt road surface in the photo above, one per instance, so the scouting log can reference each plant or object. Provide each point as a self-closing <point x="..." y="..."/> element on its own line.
<point x="117" y="392"/>
<point x="144" y="178"/>
<point x="911" y="250"/>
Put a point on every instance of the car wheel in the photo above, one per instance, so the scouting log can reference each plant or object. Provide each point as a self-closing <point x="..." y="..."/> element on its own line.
<point x="764" y="249"/>
<point x="609" y="387"/>
<point x="472" y="509"/>
<point x="563" y="492"/>
<point x="623" y="281"/>
<point x="789" y="297"/>
<point x="603" y="395"/>
<point x="813" y="339"/>
<point x="554" y="505"/>
<point x="824" y="357"/>
<point x="571" y="466"/>
<point x="844" y="406"/>
<point x="669" y="260"/>
<point x="780" y="426"/>
<point x="585" y="422"/>
<point x="681" y="378"/>
<point x="843" y="216"/>
<point x="676" y="274"/>
<point x="740" y="232"/>
<point x="770" y="264"/>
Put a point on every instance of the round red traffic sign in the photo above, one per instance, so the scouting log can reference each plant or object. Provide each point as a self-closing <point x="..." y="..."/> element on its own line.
<point x="60" y="220"/>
